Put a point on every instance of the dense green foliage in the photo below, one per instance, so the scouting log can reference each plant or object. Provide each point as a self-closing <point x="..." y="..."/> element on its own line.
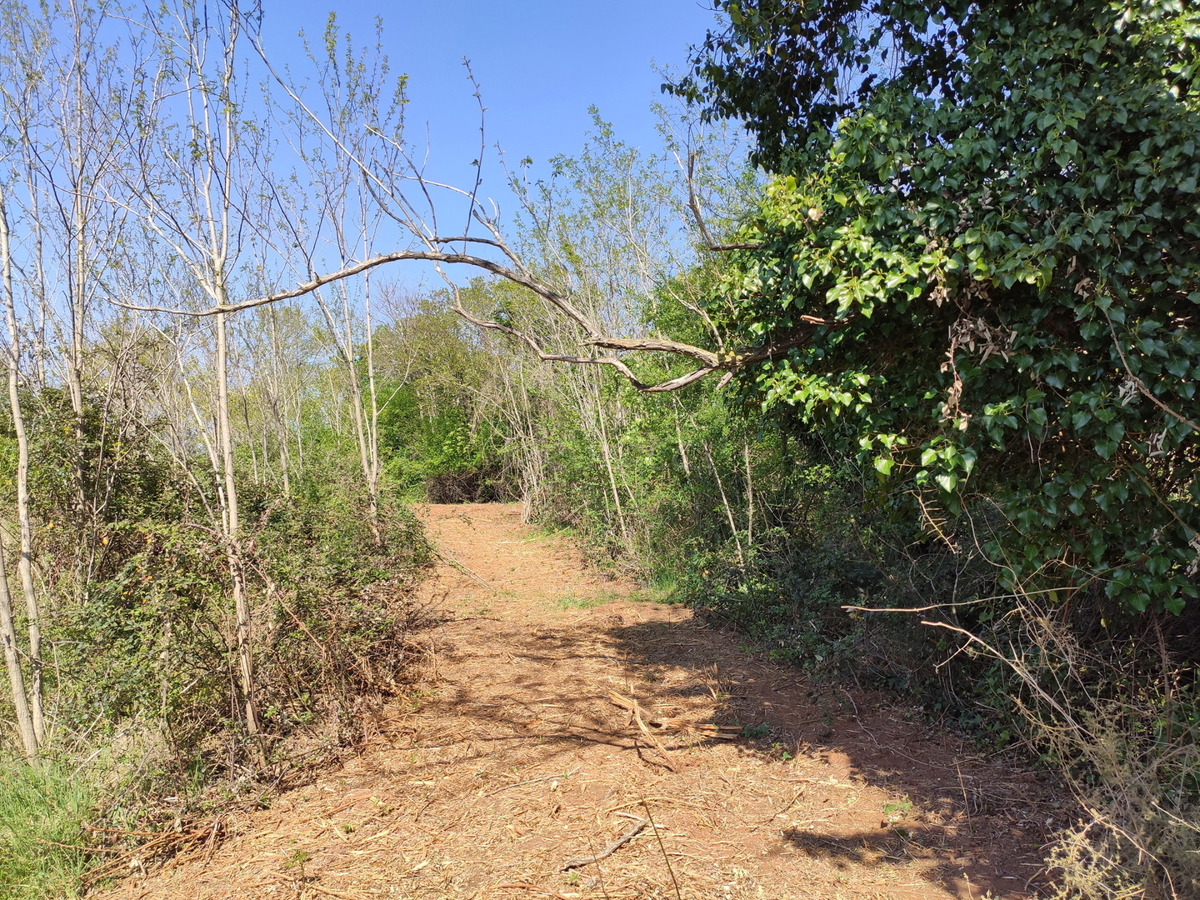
<point x="791" y="70"/>
<point x="141" y="588"/>
<point x="437" y="436"/>
<point x="991" y="266"/>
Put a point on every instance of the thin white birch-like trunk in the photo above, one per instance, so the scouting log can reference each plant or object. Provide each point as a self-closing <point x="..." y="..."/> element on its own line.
<point x="606" y="453"/>
<point x="362" y="416"/>
<point x="12" y="660"/>
<point x="728" y="508"/>
<point x="683" y="456"/>
<point x="372" y="443"/>
<point x="24" y="519"/>
<point x="243" y="621"/>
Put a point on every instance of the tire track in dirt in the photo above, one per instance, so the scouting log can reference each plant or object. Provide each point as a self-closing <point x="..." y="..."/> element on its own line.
<point x="512" y="759"/>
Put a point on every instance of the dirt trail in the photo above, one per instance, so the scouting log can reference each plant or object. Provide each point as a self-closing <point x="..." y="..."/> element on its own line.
<point x="512" y="759"/>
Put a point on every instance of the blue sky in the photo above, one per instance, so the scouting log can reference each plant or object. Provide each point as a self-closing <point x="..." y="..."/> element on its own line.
<point x="540" y="64"/>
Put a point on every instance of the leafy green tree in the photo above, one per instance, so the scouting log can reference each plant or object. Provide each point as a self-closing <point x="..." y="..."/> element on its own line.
<point x="981" y="241"/>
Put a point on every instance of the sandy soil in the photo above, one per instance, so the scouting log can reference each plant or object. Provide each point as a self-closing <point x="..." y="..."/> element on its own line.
<point x="522" y="751"/>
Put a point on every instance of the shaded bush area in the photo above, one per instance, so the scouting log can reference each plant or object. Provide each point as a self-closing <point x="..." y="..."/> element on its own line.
<point x="440" y="436"/>
<point x="463" y="487"/>
<point x="139" y="622"/>
<point x="1072" y="678"/>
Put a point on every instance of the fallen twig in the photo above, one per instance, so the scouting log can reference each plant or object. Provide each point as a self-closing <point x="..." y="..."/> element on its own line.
<point x="341" y="895"/>
<point x="717" y="732"/>
<point x="455" y="564"/>
<point x="580" y="861"/>
<point x="508" y="787"/>
<point x="662" y="751"/>
<point x="662" y="848"/>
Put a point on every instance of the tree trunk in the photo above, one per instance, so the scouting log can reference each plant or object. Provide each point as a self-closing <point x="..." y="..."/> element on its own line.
<point x="365" y="421"/>
<point x="279" y="416"/>
<point x="241" y="603"/>
<point x="749" y="496"/>
<point x="12" y="659"/>
<point x="25" y="562"/>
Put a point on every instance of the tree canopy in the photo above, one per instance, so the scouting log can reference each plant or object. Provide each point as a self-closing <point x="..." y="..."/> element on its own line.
<point x="982" y="232"/>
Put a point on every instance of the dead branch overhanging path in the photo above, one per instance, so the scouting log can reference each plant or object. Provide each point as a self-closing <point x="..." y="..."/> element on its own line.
<point x="406" y="195"/>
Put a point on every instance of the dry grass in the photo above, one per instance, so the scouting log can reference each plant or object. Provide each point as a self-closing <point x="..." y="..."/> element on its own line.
<point x="1135" y="773"/>
<point x="1122" y="725"/>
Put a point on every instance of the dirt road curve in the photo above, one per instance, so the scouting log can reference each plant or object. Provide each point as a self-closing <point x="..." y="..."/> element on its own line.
<point x="523" y="751"/>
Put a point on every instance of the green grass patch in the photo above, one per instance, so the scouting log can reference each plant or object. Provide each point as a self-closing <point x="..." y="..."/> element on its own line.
<point x="604" y="597"/>
<point x="573" y="601"/>
<point x="658" y="592"/>
<point x="43" y="810"/>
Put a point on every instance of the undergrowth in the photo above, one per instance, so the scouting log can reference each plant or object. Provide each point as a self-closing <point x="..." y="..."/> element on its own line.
<point x="1123" y="727"/>
<point x="832" y="580"/>
<point x="43" y="812"/>
<point x="145" y="674"/>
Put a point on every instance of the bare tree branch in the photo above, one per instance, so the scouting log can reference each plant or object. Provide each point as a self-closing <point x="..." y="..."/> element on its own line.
<point x="657" y="345"/>
<point x="694" y="206"/>
<point x="1141" y="385"/>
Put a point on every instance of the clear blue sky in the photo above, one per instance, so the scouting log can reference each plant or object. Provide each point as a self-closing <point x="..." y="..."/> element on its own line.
<point x="540" y="63"/>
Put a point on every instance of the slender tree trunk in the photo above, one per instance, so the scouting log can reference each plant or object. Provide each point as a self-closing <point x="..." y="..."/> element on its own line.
<point x="728" y="509"/>
<point x="284" y="439"/>
<point x="12" y="659"/>
<point x="280" y="417"/>
<point x="232" y="532"/>
<point x="372" y="443"/>
<point x="77" y="291"/>
<point x="687" y="466"/>
<point x="79" y="137"/>
<point x="534" y="455"/>
<point x="250" y="442"/>
<point x="364" y="419"/>
<point x="24" y="521"/>
<point x="37" y="229"/>
<point x="266" y="451"/>
<point x="299" y="440"/>
<point x="25" y="561"/>
<point x="606" y="452"/>
<point x="749" y="496"/>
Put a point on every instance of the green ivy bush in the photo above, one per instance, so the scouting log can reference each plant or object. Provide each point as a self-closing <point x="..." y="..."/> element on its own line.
<point x="990" y="268"/>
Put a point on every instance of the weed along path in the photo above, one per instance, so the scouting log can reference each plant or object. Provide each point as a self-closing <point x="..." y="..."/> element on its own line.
<point x="571" y="739"/>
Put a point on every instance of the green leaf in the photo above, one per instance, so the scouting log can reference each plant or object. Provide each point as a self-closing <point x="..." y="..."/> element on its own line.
<point x="948" y="482"/>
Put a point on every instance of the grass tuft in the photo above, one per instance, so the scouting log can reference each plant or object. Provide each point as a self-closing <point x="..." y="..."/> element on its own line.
<point x="43" y="810"/>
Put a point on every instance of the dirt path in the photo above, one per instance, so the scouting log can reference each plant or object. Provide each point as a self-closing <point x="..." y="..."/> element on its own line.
<point x="513" y="759"/>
